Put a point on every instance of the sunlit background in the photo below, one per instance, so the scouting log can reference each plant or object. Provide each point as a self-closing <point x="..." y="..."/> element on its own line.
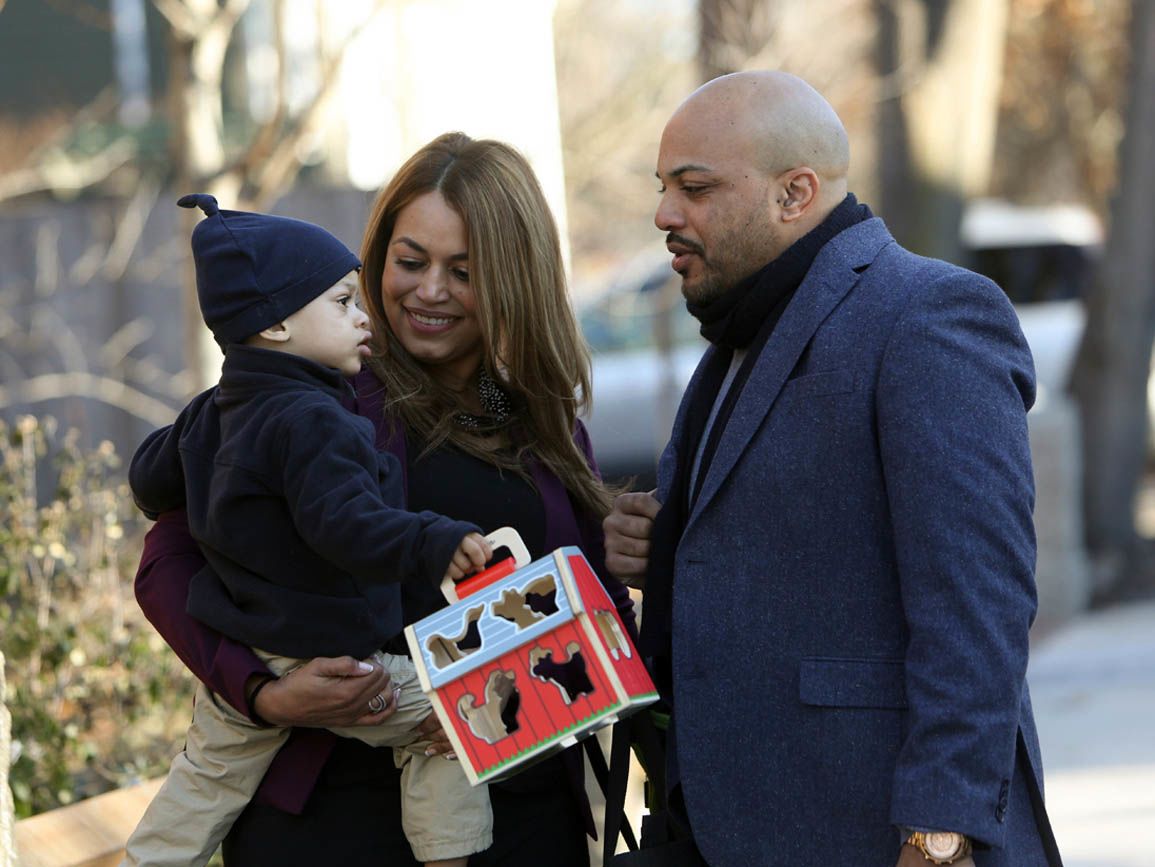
<point x="1012" y="136"/>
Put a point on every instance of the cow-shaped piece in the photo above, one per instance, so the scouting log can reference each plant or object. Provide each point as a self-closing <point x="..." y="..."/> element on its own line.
<point x="527" y="658"/>
<point x="568" y="676"/>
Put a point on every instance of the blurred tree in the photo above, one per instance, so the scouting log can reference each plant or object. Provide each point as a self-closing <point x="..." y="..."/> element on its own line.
<point x="1114" y="362"/>
<point x="1059" y="144"/>
<point x="203" y="147"/>
<point x="257" y="172"/>
<point x="940" y="63"/>
<point x="613" y="105"/>
<point x="731" y="33"/>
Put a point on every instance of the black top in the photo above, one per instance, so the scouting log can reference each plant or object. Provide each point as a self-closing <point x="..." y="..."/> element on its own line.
<point x="449" y="481"/>
<point x="470" y="489"/>
<point x="296" y="511"/>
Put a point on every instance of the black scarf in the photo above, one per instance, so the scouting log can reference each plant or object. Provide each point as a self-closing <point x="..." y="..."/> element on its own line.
<point x="734" y="319"/>
<point x="744" y="317"/>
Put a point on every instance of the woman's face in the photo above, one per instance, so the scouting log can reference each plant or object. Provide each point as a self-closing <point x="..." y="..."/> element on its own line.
<point x="425" y="291"/>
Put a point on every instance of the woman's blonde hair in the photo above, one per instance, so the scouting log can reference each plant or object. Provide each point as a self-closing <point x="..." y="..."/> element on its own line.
<point x="531" y="342"/>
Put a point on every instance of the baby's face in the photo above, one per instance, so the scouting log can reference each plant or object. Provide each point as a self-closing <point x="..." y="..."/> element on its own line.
<point x="332" y="329"/>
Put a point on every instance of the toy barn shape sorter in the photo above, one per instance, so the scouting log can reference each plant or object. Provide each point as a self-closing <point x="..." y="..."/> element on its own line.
<point x="528" y="658"/>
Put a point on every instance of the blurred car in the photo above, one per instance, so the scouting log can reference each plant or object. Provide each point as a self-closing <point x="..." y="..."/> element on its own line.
<point x="645" y="347"/>
<point x="1043" y="258"/>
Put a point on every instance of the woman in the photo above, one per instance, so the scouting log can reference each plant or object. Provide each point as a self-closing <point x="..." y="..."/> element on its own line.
<point x="479" y="375"/>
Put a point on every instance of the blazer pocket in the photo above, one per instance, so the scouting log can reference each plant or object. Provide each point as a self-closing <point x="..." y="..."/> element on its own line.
<point x="868" y="683"/>
<point x="823" y="383"/>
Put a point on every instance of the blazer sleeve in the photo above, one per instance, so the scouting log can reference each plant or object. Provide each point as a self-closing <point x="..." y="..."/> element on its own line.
<point x="167" y="565"/>
<point x="954" y="389"/>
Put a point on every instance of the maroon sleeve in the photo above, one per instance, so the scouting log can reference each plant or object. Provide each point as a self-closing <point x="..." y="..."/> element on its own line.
<point x="170" y="560"/>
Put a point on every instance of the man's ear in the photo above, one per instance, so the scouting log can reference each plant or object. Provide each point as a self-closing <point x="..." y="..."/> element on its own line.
<point x="797" y="190"/>
<point x="278" y="333"/>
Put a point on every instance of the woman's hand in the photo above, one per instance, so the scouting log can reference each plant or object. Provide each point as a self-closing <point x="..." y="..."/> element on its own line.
<point x="327" y="692"/>
<point x="430" y="730"/>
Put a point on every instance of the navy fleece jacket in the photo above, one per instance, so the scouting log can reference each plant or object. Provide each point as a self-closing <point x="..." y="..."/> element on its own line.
<point x="298" y="514"/>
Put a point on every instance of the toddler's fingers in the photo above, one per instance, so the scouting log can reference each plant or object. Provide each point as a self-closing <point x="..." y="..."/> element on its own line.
<point x="477" y="549"/>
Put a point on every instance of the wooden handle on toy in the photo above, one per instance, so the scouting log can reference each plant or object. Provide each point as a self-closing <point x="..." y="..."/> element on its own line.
<point x="502" y="537"/>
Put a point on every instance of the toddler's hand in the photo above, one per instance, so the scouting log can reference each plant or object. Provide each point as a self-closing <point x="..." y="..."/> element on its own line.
<point x="471" y="556"/>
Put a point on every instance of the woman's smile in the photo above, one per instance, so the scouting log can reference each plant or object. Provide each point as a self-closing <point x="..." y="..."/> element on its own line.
<point x="428" y="300"/>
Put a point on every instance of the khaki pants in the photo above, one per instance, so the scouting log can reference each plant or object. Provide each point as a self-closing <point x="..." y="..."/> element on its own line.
<point x="225" y="758"/>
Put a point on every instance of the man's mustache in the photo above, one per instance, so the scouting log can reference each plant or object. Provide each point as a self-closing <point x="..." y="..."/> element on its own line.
<point x="692" y="246"/>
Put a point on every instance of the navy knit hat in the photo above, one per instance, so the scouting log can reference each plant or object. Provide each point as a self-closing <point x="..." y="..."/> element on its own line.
<point x="253" y="270"/>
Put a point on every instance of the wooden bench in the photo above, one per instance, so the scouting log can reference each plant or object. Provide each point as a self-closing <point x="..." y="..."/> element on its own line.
<point x="90" y="833"/>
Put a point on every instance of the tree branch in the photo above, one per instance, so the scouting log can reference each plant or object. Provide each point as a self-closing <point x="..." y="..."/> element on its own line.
<point x="57" y="386"/>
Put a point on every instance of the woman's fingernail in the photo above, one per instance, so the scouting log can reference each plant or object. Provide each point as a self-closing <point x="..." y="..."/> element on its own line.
<point x="364" y="666"/>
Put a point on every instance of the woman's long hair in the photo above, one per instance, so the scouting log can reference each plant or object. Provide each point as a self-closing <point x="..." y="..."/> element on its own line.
<point x="531" y="342"/>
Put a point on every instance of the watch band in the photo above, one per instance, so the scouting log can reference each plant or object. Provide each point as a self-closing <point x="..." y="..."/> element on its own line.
<point x="940" y="847"/>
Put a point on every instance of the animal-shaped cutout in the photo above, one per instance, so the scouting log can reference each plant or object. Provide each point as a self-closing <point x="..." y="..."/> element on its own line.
<point x="569" y="677"/>
<point x="536" y="602"/>
<point x="497" y="718"/>
<point x="611" y="631"/>
<point x="447" y="650"/>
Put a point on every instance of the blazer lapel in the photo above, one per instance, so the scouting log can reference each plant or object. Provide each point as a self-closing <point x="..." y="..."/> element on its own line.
<point x="834" y="274"/>
<point x="692" y="411"/>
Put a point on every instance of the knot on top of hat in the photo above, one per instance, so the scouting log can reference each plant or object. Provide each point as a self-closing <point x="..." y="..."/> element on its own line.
<point x="204" y="201"/>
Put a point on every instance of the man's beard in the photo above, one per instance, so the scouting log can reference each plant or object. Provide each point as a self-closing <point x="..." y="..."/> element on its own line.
<point x="708" y="288"/>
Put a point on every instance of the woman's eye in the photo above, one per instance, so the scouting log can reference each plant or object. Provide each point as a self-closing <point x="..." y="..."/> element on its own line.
<point x="461" y="274"/>
<point x="410" y="264"/>
<point x="343" y="300"/>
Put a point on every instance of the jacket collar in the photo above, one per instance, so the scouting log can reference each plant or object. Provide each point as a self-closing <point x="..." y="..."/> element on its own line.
<point x="835" y="271"/>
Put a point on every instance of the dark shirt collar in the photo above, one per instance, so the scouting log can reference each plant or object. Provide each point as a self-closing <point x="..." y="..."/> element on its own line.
<point x="249" y="370"/>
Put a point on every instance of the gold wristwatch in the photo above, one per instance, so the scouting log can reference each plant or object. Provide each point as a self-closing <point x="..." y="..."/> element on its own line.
<point x="940" y="847"/>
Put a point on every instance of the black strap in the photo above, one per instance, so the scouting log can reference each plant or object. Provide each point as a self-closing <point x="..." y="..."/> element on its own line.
<point x="612" y="781"/>
<point x="1042" y="820"/>
<point x="615" y="792"/>
<point x="640" y="734"/>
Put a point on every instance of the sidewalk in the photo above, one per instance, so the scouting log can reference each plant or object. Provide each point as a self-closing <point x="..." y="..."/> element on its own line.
<point x="1093" y="687"/>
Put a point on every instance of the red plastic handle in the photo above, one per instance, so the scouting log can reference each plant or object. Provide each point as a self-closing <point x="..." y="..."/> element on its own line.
<point x="486" y="577"/>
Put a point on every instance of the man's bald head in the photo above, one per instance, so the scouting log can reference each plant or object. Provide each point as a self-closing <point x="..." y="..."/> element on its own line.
<point x="749" y="163"/>
<point x="779" y="120"/>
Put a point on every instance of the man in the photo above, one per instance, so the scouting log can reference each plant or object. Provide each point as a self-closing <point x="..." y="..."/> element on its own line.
<point x="838" y="560"/>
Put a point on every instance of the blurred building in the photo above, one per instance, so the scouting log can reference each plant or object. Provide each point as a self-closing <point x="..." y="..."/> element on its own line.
<point x="90" y="297"/>
<point x="411" y="69"/>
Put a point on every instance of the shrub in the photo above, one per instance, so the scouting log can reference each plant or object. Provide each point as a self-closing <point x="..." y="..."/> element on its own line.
<point x="98" y="700"/>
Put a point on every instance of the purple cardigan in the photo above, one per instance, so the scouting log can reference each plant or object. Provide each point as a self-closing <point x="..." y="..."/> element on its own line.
<point x="171" y="558"/>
